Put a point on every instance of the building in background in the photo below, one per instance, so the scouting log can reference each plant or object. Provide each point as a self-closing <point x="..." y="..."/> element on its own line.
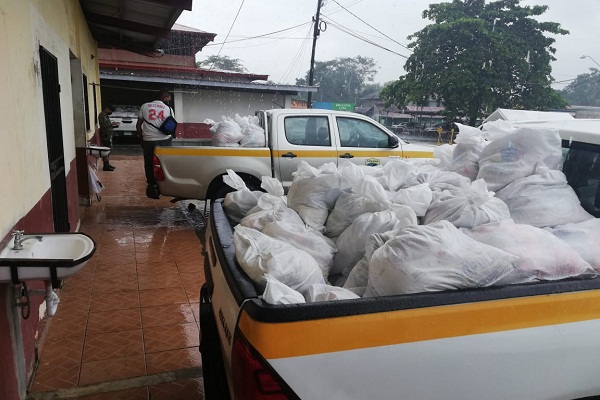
<point x="49" y="74"/>
<point x="130" y="78"/>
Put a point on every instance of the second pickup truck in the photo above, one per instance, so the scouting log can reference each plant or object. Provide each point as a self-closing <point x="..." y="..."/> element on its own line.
<point x="315" y="136"/>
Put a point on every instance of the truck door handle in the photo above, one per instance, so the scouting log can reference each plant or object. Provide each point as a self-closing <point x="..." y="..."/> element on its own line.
<point x="347" y="155"/>
<point x="289" y="154"/>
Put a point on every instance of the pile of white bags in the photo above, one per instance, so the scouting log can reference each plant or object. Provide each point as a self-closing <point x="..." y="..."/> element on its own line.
<point x="473" y="218"/>
<point x="436" y="257"/>
<point x="237" y="131"/>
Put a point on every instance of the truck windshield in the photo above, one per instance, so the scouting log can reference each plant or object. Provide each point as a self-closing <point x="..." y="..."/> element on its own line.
<point x="582" y="168"/>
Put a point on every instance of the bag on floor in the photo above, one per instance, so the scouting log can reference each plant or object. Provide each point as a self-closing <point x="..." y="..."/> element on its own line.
<point x="95" y="185"/>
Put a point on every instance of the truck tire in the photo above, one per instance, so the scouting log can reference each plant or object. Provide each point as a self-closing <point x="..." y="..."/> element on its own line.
<point x="218" y="189"/>
<point x="213" y="369"/>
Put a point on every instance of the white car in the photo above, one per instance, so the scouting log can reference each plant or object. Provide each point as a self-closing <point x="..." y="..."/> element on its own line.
<point x="124" y="119"/>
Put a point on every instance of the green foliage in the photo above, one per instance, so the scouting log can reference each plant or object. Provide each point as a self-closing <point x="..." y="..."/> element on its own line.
<point x="584" y="90"/>
<point x="342" y="79"/>
<point x="477" y="57"/>
<point x="222" y="62"/>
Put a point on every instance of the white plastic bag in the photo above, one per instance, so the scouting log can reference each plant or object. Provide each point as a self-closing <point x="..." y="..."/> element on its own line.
<point x="269" y="209"/>
<point x="467" y="207"/>
<point x="238" y="203"/>
<point x="367" y="195"/>
<point x="314" y="192"/>
<point x="543" y="199"/>
<point x="324" y="292"/>
<point x="228" y="133"/>
<point x="358" y="276"/>
<point x="254" y="136"/>
<point x="584" y="237"/>
<point x="434" y="258"/>
<point x="259" y="254"/>
<point x="542" y="256"/>
<point x="351" y="243"/>
<point x="95" y="185"/>
<point x="304" y="238"/>
<point x="417" y="197"/>
<point x="516" y="156"/>
<point x="278" y="293"/>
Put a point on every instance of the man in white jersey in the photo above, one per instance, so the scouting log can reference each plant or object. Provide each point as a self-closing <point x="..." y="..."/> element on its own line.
<point x="150" y="119"/>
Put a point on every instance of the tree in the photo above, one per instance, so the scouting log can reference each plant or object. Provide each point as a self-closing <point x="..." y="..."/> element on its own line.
<point x="477" y="57"/>
<point x="222" y="62"/>
<point x="341" y="79"/>
<point x="584" y="90"/>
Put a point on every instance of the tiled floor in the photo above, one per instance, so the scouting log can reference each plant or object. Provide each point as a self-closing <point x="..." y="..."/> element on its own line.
<point x="127" y="324"/>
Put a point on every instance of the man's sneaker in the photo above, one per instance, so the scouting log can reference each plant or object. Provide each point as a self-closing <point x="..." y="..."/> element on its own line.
<point x="152" y="192"/>
<point x="108" y="168"/>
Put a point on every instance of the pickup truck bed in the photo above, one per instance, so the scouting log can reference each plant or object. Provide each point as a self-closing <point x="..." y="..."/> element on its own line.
<point x="529" y="341"/>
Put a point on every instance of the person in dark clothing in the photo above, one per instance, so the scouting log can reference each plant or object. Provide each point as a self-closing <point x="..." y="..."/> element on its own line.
<point x="106" y="133"/>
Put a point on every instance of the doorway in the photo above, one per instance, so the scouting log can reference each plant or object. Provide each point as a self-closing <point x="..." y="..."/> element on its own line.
<point x="54" y="138"/>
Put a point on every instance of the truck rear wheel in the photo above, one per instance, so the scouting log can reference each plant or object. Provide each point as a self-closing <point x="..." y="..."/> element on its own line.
<point x="218" y="189"/>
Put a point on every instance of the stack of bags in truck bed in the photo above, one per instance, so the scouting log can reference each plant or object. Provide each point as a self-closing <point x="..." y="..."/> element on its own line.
<point x="237" y="131"/>
<point x="494" y="209"/>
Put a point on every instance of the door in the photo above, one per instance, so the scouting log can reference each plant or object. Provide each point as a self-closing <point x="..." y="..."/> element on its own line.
<point x="364" y="143"/>
<point x="302" y="138"/>
<point x="54" y="138"/>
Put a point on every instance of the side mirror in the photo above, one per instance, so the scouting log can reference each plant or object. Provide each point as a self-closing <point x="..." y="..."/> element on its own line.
<point x="393" y="142"/>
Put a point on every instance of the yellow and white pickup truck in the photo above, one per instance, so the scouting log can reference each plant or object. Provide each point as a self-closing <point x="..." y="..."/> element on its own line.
<point x="315" y="136"/>
<point x="527" y="341"/>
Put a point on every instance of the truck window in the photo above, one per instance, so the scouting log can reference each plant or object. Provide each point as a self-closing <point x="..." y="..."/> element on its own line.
<point x="359" y="133"/>
<point x="307" y="131"/>
<point x="582" y="169"/>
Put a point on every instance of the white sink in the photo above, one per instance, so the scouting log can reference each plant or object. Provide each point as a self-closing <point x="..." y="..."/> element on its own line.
<point x="98" y="151"/>
<point x="64" y="253"/>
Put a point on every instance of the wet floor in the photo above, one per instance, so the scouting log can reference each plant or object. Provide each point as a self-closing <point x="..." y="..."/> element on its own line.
<point x="127" y="325"/>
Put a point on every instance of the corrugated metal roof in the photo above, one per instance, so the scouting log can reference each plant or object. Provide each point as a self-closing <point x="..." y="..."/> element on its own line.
<point x="135" y="25"/>
<point x="198" y="83"/>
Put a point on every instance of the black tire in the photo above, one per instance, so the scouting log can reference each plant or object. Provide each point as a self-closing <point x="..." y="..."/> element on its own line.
<point x="213" y="369"/>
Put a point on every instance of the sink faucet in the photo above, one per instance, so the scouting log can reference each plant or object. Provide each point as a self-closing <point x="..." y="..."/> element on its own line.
<point x="20" y="238"/>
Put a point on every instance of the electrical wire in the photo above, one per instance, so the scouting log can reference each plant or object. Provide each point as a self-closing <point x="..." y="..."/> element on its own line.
<point x="259" y="36"/>
<point x="351" y="33"/>
<point x="369" y="25"/>
<point x="295" y="61"/>
<point x="230" y="28"/>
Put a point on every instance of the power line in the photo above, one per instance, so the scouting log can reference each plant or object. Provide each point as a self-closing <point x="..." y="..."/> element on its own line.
<point x="289" y="70"/>
<point x="371" y="26"/>
<point x="351" y="33"/>
<point x="259" y="36"/>
<point x="230" y="28"/>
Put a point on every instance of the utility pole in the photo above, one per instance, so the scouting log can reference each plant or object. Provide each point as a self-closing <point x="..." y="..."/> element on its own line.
<point x="312" y="57"/>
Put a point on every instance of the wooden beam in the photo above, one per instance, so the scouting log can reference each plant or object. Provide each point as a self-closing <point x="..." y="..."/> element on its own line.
<point x="181" y="4"/>
<point x="130" y="26"/>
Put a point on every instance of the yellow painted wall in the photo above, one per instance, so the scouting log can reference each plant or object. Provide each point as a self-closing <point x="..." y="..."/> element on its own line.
<point x="58" y="26"/>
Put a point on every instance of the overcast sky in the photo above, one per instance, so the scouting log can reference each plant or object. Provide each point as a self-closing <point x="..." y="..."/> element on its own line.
<point x="285" y="56"/>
